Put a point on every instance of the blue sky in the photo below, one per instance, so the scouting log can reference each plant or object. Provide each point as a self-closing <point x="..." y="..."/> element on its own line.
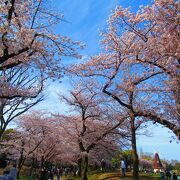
<point x="86" y="18"/>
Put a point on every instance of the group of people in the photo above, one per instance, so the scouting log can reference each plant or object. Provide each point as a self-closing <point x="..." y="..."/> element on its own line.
<point x="10" y="174"/>
<point x="57" y="173"/>
<point x="168" y="175"/>
<point x="48" y="174"/>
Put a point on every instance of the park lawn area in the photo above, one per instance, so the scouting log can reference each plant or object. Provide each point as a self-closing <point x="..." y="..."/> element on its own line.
<point x="22" y="178"/>
<point x="94" y="175"/>
<point x="91" y="176"/>
<point x="114" y="176"/>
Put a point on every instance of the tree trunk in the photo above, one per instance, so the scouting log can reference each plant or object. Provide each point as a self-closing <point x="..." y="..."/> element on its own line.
<point x="20" y="164"/>
<point x="79" y="166"/>
<point x="3" y="123"/>
<point x="31" y="168"/>
<point x="134" y="151"/>
<point x="84" y="167"/>
<point x="21" y="160"/>
<point x="1" y="133"/>
<point x="2" y="127"/>
<point x="42" y="162"/>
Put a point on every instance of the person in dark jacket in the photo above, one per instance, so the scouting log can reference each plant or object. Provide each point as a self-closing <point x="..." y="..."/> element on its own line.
<point x="13" y="172"/>
<point x="174" y="177"/>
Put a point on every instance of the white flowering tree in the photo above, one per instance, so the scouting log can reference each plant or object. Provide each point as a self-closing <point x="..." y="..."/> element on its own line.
<point x="27" y="38"/>
<point x="30" y="93"/>
<point x="35" y="139"/>
<point x="30" y="52"/>
<point x="94" y="125"/>
<point x="139" y="65"/>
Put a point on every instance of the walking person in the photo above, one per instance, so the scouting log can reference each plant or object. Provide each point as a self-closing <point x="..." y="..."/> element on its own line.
<point x="43" y="174"/>
<point x="65" y="171"/>
<point x="103" y="165"/>
<point x="48" y="175"/>
<point x="13" y="172"/>
<point x="51" y="174"/>
<point x="168" y="175"/>
<point x="61" y="172"/>
<point x="123" y="168"/>
<point x="10" y="175"/>
<point x="58" y="174"/>
<point x="174" y="177"/>
<point x="162" y="174"/>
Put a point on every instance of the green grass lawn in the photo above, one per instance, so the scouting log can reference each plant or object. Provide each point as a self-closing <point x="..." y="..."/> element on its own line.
<point x="23" y="178"/>
<point x="107" y="176"/>
<point x="114" y="176"/>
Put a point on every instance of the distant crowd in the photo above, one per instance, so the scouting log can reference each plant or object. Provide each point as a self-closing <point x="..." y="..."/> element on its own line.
<point x="50" y="173"/>
<point x="167" y="175"/>
<point x="57" y="172"/>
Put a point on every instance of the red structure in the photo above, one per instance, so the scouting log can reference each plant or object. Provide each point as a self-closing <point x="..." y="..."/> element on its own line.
<point x="157" y="165"/>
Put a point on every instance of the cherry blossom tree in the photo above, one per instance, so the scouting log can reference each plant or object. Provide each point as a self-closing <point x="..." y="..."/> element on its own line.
<point x="145" y="164"/>
<point x="153" y="45"/>
<point x="85" y="147"/>
<point x="29" y="88"/>
<point x="35" y="138"/>
<point x="30" y="52"/>
<point x="27" y="38"/>
<point x="139" y="65"/>
<point x="94" y="124"/>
